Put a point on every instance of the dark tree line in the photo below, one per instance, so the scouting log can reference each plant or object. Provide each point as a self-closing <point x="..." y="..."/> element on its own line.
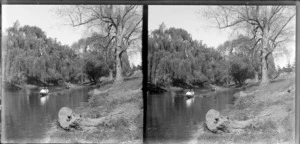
<point x="33" y="58"/>
<point x="174" y="58"/>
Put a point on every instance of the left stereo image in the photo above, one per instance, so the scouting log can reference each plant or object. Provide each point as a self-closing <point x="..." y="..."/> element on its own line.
<point x="72" y="74"/>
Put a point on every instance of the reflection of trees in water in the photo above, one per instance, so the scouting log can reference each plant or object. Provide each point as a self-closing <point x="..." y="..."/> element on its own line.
<point x="179" y="103"/>
<point x="167" y="117"/>
<point x="33" y="100"/>
<point x="26" y="116"/>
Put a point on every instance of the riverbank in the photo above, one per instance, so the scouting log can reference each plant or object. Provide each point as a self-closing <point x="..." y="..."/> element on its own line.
<point x="31" y="86"/>
<point x="152" y="88"/>
<point x="121" y="104"/>
<point x="273" y="105"/>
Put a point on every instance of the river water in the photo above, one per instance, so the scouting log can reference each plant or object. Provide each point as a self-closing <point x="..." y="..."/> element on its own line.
<point x="27" y="116"/>
<point x="171" y="118"/>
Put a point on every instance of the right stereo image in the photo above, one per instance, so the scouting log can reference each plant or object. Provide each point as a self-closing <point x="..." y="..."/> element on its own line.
<point x="221" y="74"/>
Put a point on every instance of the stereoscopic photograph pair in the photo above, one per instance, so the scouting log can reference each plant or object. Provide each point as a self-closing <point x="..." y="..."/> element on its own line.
<point x="155" y="74"/>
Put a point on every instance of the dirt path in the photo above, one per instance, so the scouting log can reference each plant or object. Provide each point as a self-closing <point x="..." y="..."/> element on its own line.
<point x="273" y="107"/>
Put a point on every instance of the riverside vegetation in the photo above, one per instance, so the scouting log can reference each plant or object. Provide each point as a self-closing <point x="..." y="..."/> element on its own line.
<point x="273" y="107"/>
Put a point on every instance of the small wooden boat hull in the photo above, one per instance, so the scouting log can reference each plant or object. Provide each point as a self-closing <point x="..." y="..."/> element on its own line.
<point x="43" y="94"/>
<point x="189" y="96"/>
<point x="213" y="89"/>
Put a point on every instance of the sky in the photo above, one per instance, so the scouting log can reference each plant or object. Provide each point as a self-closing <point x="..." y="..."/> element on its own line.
<point x="44" y="17"/>
<point x="189" y="18"/>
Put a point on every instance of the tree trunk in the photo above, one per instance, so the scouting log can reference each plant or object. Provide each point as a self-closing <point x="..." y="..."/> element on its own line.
<point x="111" y="77"/>
<point x="119" y="76"/>
<point x="119" y="73"/>
<point x="150" y="65"/>
<point x="236" y="82"/>
<point x="256" y="76"/>
<point x="94" y="79"/>
<point x="264" y="77"/>
<point x="154" y="73"/>
<point x="265" y="47"/>
<point x="264" y="70"/>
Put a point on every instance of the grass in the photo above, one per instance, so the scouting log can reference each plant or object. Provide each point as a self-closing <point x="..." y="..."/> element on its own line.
<point x="120" y="104"/>
<point x="273" y="100"/>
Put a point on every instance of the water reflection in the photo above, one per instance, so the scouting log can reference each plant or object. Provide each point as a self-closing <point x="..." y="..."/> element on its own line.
<point x="44" y="99"/>
<point x="172" y="117"/>
<point x="27" y="116"/>
<point x="189" y="102"/>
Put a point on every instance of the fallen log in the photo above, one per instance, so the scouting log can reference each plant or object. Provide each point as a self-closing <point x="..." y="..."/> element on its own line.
<point x="69" y="120"/>
<point x="217" y="123"/>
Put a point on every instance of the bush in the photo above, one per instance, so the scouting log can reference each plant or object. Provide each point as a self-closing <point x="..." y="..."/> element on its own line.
<point x="240" y="69"/>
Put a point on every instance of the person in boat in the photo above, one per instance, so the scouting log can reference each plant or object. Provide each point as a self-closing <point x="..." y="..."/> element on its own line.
<point x="68" y="86"/>
<point x="190" y="93"/>
<point x="47" y="90"/>
<point x="213" y="89"/>
<point x="44" y="91"/>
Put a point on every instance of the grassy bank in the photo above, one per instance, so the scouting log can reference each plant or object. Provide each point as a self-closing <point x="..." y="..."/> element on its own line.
<point x="273" y="105"/>
<point x="121" y="104"/>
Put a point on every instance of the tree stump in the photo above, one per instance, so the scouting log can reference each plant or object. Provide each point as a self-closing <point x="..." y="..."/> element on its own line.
<point x="69" y="120"/>
<point x="216" y="122"/>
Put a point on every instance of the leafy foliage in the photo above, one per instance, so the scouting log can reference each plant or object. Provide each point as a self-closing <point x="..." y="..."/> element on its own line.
<point x="174" y="58"/>
<point x="242" y="48"/>
<point x="94" y="66"/>
<point x="289" y="68"/>
<point x="31" y="57"/>
<point x="99" y="56"/>
<point x="240" y="68"/>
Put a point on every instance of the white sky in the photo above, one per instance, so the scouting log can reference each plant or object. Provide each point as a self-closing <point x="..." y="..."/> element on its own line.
<point x="44" y="17"/>
<point x="189" y="18"/>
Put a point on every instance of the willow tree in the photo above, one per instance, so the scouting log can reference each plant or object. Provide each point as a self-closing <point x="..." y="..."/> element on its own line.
<point x="120" y="23"/>
<point x="270" y="26"/>
<point x="31" y="57"/>
<point x="174" y="58"/>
